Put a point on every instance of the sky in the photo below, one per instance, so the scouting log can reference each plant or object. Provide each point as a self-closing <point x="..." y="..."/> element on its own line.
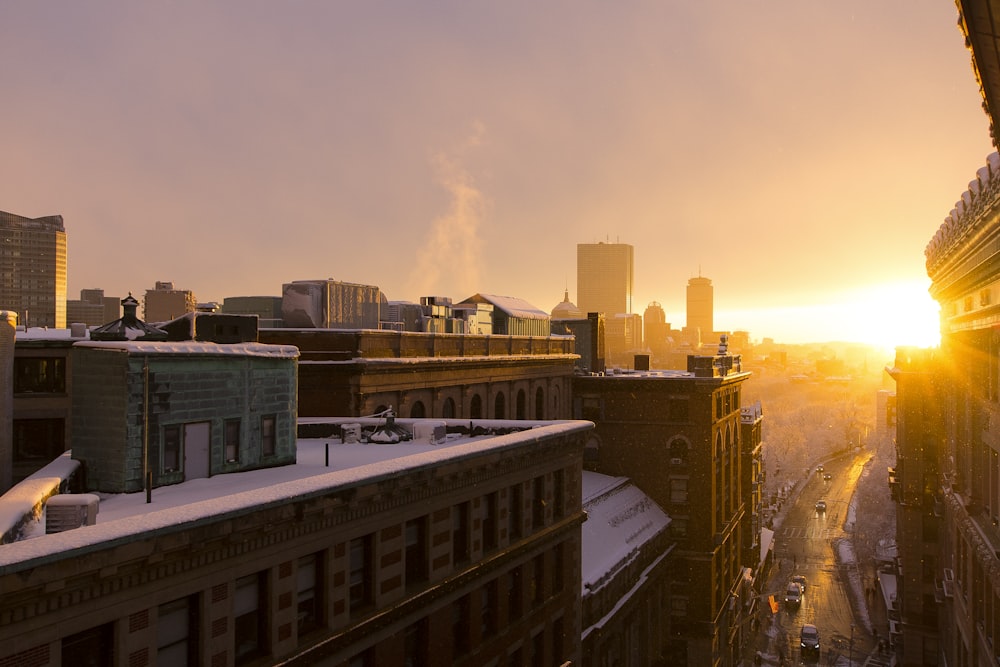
<point x="800" y="154"/>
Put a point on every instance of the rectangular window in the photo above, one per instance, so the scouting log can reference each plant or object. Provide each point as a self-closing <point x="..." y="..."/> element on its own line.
<point x="232" y="436"/>
<point x="416" y="551"/>
<point x="90" y="647"/>
<point x="558" y="494"/>
<point x="538" y="649"/>
<point x="361" y="573"/>
<point x="460" y="533"/>
<point x="176" y="632"/>
<point x="678" y="410"/>
<point x="460" y="625"/>
<point x="488" y="608"/>
<point x="515" y="594"/>
<point x="39" y="375"/>
<point x="538" y="580"/>
<point x="250" y="618"/>
<point x="310" y="593"/>
<point x="171" y="448"/>
<point x="514" y="514"/>
<point x="415" y="645"/>
<point x="490" y="522"/>
<point x="559" y="569"/>
<point x="538" y="504"/>
<point x="267" y="435"/>
<point x="678" y="490"/>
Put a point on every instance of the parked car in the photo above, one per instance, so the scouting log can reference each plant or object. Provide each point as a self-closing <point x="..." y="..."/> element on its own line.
<point x="793" y="594"/>
<point x="820" y="505"/>
<point x="800" y="579"/>
<point x="809" y="641"/>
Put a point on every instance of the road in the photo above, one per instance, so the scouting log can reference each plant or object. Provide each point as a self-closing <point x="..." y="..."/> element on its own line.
<point x="805" y="544"/>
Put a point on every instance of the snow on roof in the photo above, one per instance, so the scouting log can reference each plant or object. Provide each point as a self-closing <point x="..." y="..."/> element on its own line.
<point x="620" y="519"/>
<point x="46" y="333"/>
<point x="192" y="347"/>
<point x="510" y="305"/>
<point x="200" y="501"/>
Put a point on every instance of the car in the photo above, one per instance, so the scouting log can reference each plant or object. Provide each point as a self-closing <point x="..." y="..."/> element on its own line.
<point x="820" y="468"/>
<point x="793" y="594"/>
<point x="809" y="640"/>
<point x="801" y="581"/>
<point x="820" y="505"/>
<point x="827" y="476"/>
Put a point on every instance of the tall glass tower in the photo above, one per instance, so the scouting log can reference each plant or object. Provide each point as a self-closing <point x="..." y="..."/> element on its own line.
<point x="33" y="269"/>
<point x="700" y="306"/>
<point x="604" y="278"/>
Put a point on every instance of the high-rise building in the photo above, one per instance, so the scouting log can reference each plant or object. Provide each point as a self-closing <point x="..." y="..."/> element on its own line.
<point x="33" y="269"/>
<point x="164" y="303"/>
<point x="700" y="307"/>
<point x="93" y="308"/>
<point x="604" y="278"/>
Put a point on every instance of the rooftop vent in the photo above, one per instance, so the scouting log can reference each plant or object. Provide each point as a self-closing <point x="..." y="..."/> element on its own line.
<point x="70" y="510"/>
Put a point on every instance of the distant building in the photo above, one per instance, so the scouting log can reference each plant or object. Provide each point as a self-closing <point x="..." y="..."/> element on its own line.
<point x="604" y="277"/>
<point x="590" y="345"/>
<point x="164" y="303"/>
<point x="330" y="304"/>
<point x="678" y="435"/>
<point x="623" y="336"/>
<point x="92" y="308"/>
<point x="700" y="310"/>
<point x="512" y="316"/>
<point x="567" y="310"/>
<point x="33" y="269"/>
<point x="8" y="325"/>
<point x="440" y="549"/>
<point x="266" y="308"/>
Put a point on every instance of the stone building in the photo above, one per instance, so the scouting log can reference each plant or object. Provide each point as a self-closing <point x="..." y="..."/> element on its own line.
<point x="439" y="549"/>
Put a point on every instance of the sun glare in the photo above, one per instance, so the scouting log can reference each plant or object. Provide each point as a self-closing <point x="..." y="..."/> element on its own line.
<point x="895" y="314"/>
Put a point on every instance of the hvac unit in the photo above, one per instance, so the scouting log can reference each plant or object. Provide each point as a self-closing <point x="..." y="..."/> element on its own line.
<point x="430" y="430"/>
<point x="70" y="510"/>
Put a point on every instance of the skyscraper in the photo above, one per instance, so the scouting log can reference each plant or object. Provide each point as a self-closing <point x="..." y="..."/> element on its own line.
<point x="604" y="278"/>
<point x="33" y="269"/>
<point x="700" y="306"/>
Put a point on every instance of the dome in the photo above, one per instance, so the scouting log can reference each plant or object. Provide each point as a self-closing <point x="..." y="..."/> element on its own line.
<point x="567" y="310"/>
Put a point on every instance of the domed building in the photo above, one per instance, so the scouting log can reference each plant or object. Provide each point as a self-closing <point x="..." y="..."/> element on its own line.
<point x="567" y="310"/>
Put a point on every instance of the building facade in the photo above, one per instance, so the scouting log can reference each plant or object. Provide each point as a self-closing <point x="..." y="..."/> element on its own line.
<point x="361" y="373"/>
<point x="604" y="277"/>
<point x="164" y="303"/>
<point x="700" y="310"/>
<point x="93" y="308"/>
<point x="33" y="269"/>
<point x="466" y="555"/>
<point x="678" y="436"/>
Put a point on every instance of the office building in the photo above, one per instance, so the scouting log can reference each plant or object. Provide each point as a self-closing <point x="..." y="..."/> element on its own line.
<point x="330" y="304"/>
<point x="604" y="278"/>
<point x="700" y="310"/>
<point x="92" y="308"/>
<point x="684" y="438"/>
<point x="33" y="269"/>
<point x="163" y="303"/>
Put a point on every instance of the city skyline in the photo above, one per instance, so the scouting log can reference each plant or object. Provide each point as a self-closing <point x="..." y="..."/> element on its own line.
<point x="230" y="149"/>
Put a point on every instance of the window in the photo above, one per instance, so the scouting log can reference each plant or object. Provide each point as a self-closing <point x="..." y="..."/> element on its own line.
<point x="538" y="579"/>
<point x="490" y="522"/>
<point x="232" y="440"/>
<point x="176" y="632"/>
<point x="538" y="504"/>
<point x="539" y="404"/>
<point x="558" y="494"/>
<point x="678" y="490"/>
<point x="416" y="551"/>
<point x="310" y="593"/>
<point x="171" y="448"/>
<point x="522" y="408"/>
<point x="499" y="407"/>
<point x="460" y="625"/>
<point x="538" y="649"/>
<point x="515" y="594"/>
<point x="476" y="407"/>
<point x="514" y="513"/>
<point x="415" y="645"/>
<point x="418" y="411"/>
<point x="90" y="647"/>
<point x="39" y="375"/>
<point x="250" y="617"/>
<point x="460" y="533"/>
<point x="38" y="440"/>
<point x="361" y="573"/>
<point x="559" y="570"/>
<point x="488" y="608"/>
<point x="448" y="408"/>
<point x="267" y="435"/>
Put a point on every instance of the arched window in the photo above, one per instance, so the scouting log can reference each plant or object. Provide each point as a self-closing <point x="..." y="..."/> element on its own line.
<point x="539" y="404"/>
<point x="418" y="411"/>
<point x="678" y="449"/>
<point x="522" y="405"/>
<point x="476" y="407"/>
<point x="448" y="408"/>
<point x="500" y="406"/>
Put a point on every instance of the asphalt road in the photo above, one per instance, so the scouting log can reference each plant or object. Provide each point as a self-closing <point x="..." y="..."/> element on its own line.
<point x="805" y="543"/>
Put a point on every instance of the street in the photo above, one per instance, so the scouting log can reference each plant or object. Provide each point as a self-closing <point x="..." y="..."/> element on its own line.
<point x="812" y="542"/>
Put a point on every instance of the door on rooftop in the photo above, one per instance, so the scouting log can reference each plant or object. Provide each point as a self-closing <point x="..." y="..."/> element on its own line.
<point x="196" y="450"/>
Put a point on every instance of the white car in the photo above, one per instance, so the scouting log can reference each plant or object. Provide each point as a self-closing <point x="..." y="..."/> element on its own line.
<point x="793" y="594"/>
<point x="820" y="505"/>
